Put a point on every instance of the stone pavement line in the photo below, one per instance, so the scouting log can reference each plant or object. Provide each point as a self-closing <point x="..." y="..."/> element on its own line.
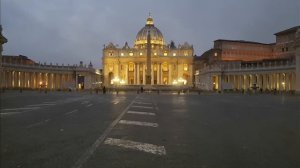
<point x="146" y="107"/>
<point x="90" y="151"/>
<point x="22" y="108"/>
<point x="145" y="147"/>
<point x="43" y="104"/>
<point x="139" y="123"/>
<point x="138" y="102"/>
<point x="10" y="112"/>
<point x="73" y="111"/>
<point x="38" y="123"/>
<point x="141" y="113"/>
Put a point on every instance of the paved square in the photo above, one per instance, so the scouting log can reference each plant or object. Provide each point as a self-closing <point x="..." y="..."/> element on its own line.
<point x="68" y="129"/>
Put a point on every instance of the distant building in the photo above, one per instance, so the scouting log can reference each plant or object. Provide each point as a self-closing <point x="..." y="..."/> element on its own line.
<point x="20" y="72"/>
<point x="149" y="62"/>
<point x="2" y="41"/>
<point x="243" y="65"/>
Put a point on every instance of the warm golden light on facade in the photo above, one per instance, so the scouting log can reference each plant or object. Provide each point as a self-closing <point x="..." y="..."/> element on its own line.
<point x="133" y="70"/>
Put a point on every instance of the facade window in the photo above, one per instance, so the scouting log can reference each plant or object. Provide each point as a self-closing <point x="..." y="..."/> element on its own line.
<point x="286" y="49"/>
<point x="122" y="54"/>
<point x="130" y="54"/>
<point x="216" y="54"/>
<point x="165" y="67"/>
<point x="131" y="67"/>
<point x="155" y="53"/>
<point x="111" y="67"/>
<point x="185" y="53"/>
<point x="165" y="54"/>
<point x="141" y="53"/>
<point x="185" y="67"/>
<point x="282" y="49"/>
<point x="111" y="54"/>
<point x="174" y="54"/>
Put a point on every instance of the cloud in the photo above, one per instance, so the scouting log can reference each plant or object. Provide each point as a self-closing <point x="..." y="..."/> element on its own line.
<point x="69" y="31"/>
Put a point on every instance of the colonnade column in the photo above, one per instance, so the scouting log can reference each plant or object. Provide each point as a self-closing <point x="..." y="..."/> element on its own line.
<point x="161" y="76"/>
<point x="135" y="73"/>
<point x="158" y="73"/>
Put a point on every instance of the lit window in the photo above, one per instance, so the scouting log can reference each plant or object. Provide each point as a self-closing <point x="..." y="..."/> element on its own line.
<point x="185" y="67"/>
<point x="130" y="54"/>
<point x="155" y="53"/>
<point x="174" y="54"/>
<point x="111" y="54"/>
<point x="165" y="54"/>
<point x="122" y="54"/>
<point x="185" y="53"/>
<point x="131" y="67"/>
<point x="216" y="54"/>
<point x="165" y="67"/>
<point x="141" y="53"/>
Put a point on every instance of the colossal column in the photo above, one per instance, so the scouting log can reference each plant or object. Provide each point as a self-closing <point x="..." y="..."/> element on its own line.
<point x="138" y="73"/>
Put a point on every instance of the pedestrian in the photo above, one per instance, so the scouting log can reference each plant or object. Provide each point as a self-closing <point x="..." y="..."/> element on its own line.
<point x="104" y="90"/>
<point x="142" y="89"/>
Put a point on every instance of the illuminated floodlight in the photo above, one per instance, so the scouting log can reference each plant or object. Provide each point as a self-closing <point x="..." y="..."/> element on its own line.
<point x="175" y="82"/>
<point x="182" y="81"/>
<point x="122" y="82"/>
<point x="115" y="80"/>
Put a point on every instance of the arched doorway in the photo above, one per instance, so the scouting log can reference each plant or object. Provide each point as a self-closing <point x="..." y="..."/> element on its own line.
<point x="110" y="77"/>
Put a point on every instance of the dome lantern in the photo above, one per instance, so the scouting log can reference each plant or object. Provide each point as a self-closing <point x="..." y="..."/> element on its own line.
<point x="149" y="21"/>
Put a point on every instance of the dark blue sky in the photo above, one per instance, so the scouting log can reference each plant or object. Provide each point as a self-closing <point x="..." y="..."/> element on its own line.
<point x="69" y="31"/>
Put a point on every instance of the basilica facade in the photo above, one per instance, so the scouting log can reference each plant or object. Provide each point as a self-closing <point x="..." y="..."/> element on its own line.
<point x="151" y="61"/>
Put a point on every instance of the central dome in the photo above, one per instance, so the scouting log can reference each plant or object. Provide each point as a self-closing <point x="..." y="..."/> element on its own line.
<point x="155" y="34"/>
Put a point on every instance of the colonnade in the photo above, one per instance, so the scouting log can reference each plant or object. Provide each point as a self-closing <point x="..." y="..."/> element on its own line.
<point x="35" y="80"/>
<point x="284" y="81"/>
